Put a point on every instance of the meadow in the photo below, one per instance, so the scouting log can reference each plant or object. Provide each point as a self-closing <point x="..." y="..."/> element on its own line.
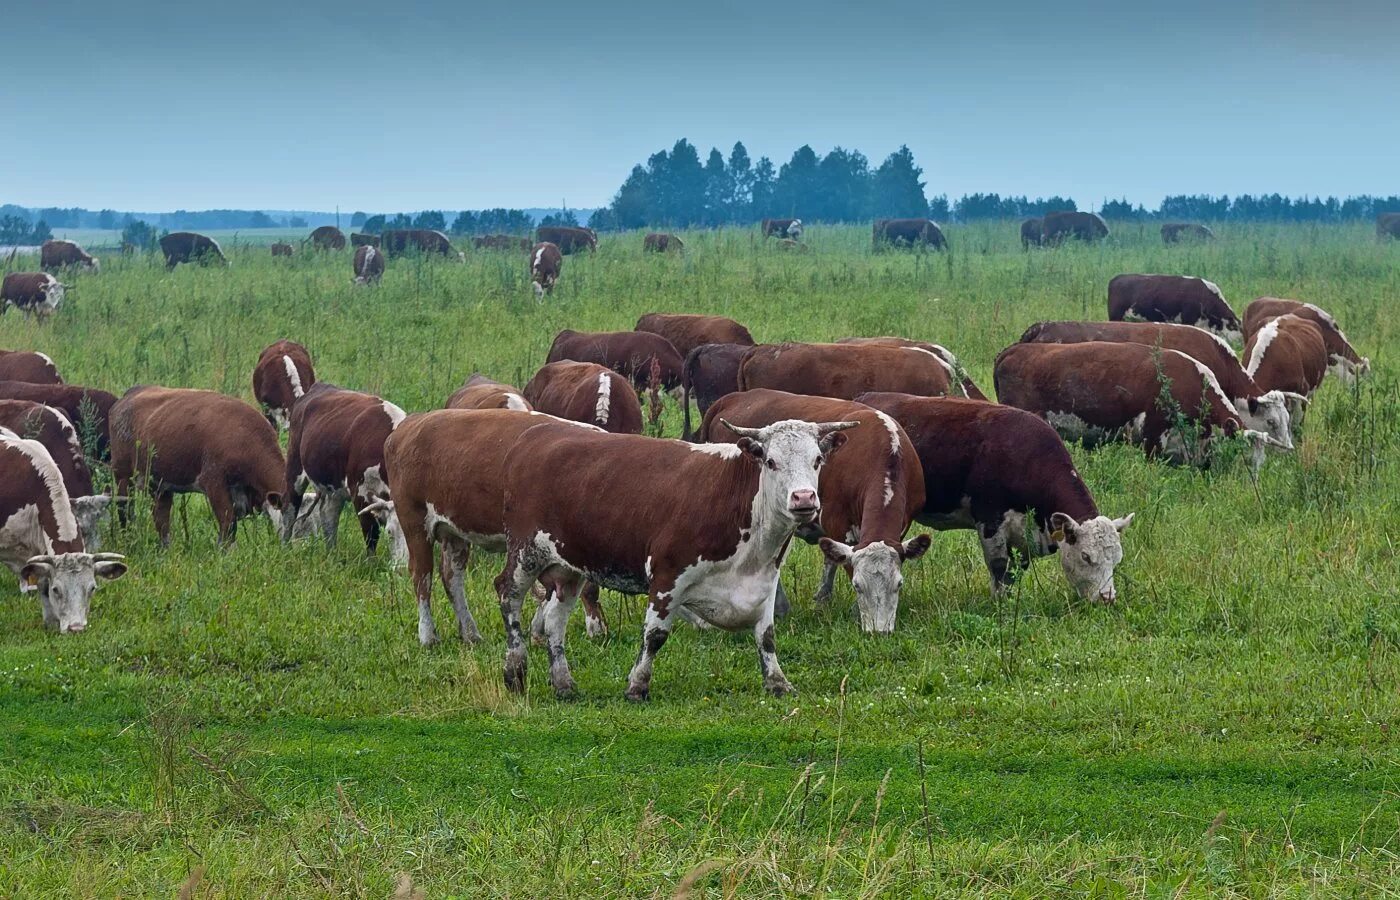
<point x="262" y="722"/>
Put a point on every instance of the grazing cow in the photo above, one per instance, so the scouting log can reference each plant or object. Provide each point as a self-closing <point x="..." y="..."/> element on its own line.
<point x="567" y="239"/>
<point x="178" y="440"/>
<point x="795" y="246"/>
<point x="447" y="477"/>
<point x="501" y="242"/>
<point x="327" y="237"/>
<point x="718" y="563"/>
<point x="1388" y="225"/>
<point x="869" y="494"/>
<point x="51" y="428"/>
<point x="711" y="371"/>
<point x="844" y="370"/>
<point x="988" y="467"/>
<point x="783" y="228"/>
<point x="58" y="254"/>
<point x="364" y="240"/>
<point x="907" y="232"/>
<point x="628" y="353"/>
<point x="1343" y="360"/>
<point x="423" y="240"/>
<point x="1176" y="232"/>
<point x="1173" y="298"/>
<point x="28" y="365"/>
<point x="40" y="540"/>
<point x="955" y="369"/>
<point x="1261" y="410"/>
<point x="480" y="392"/>
<point x="686" y="332"/>
<point x="188" y="247"/>
<point x="1083" y="226"/>
<point x="337" y="439"/>
<point x="1095" y="391"/>
<point x="586" y="392"/>
<point x="1032" y="233"/>
<point x="281" y="248"/>
<point x="546" y="262"/>
<point x="367" y="264"/>
<point x="38" y="293"/>
<point x="282" y="375"/>
<point x="88" y="409"/>
<point x="658" y="242"/>
<point x="1288" y="353"/>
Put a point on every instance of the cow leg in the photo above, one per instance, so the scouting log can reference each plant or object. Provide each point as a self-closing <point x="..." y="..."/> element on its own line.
<point x="160" y="512"/>
<point x="593" y="620"/>
<point x="997" y="554"/>
<point x="511" y="586"/>
<point x="774" y="681"/>
<point x="556" y="621"/>
<point x="453" y="571"/>
<point x="823" y="595"/>
<point x="782" y="605"/>
<point x="420" y="569"/>
<point x="221" y="502"/>
<point x="655" y="630"/>
<point x="335" y="501"/>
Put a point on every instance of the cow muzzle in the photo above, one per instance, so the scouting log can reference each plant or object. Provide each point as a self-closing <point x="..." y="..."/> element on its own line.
<point x="76" y="627"/>
<point x="804" y="505"/>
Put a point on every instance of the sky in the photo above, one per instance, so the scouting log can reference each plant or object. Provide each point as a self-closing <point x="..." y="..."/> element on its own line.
<point x="153" y="105"/>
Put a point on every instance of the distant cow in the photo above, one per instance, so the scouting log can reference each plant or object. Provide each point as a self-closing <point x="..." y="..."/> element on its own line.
<point x="989" y="468"/>
<point x="907" y="232"/>
<point x="58" y="254"/>
<point x="50" y="427"/>
<point x="1343" y="360"/>
<point x="955" y="370"/>
<point x="568" y="240"/>
<point x="480" y="392"/>
<point x="177" y="440"/>
<point x="424" y="240"/>
<point x="327" y="237"/>
<point x="1084" y="226"/>
<point x="1032" y="233"/>
<point x="627" y="352"/>
<point x="1175" y="232"/>
<point x="367" y="264"/>
<point x="40" y="540"/>
<point x="38" y="293"/>
<point x="282" y="375"/>
<point x="869" y="494"/>
<point x="657" y="242"/>
<point x="1288" y="353"/>
<point x="710" y="372"/>
<point x="844" y="370"/>
<point x="188" y="247"/>
<point x="28" y="365"/>
<point x="87" y="408"/>
<point x="586" y="392"/>
<point x="1388" y="225"/>
<point x="783" y="228"/>
<point x="546" y="262"/>
<point x="364" y="240"/>
<point x="501" y="242"/>
<point x="281" y="248"/>
<point x="686" y="332"/>
<point x="1173" y="298"/>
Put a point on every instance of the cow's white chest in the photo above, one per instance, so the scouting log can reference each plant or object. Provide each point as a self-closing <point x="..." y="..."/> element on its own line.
<point x="22" y="536"/>
<point x="729" y="594"/>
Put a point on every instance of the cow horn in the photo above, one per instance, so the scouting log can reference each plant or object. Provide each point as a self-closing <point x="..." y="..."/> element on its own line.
<point x="46" y="559"/>
<point x="826" y="428"/>
<point x="108" y="557"/>
<point x="740" y="430"/>
<point x="1300" y="398"/>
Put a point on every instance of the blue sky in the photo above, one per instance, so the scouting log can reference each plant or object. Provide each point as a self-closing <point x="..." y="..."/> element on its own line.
<point x="155" y="105"/>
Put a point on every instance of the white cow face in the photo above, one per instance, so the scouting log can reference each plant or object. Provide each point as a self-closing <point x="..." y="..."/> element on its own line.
<point x="792" y="453"/>
<point x="1089" y="552"/>
<point x="66" y="582"/>
<point x="1269" y="414"/>
<point x="876" y="577"/>
<point x="383" y="511"/>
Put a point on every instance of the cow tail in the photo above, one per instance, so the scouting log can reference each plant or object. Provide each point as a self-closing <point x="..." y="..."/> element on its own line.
<point x="690" y="360"/>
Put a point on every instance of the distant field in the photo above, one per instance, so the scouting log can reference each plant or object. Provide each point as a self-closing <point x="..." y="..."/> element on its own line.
<point x="266" y="717"/>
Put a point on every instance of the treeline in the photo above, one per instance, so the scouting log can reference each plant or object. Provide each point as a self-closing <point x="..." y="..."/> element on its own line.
<point x="180" y="219"/>
<point x="1261" y="208"/>
<point x="485" y="221"/>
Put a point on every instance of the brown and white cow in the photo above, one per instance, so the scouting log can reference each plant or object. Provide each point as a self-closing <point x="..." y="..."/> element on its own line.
<point x="358" y="239"/>
<point x="907" y="233"/>
<point x="1343" y="360"/>
<point x="1176" y="232"/>
<point x="327" y="237"/>
<point x="37" y="293"/>
<point x="844" y="370"/>
<point x="281" y="248"/>
<point x="28" y="365"/>
<point x="367" y="265"/>
<point x="480" y="392"/>
<point x="711" y="371"/>
<point x="52" y="428"/>
<point x="949" y="359"/>
<point x="586" y="392"/>
<point x="568" y="239"/>
<point x="546" y="263"/>
<point x="1259" y="409"/>
<point x="422" y="240"/>
<point x="869" y="494"/>
<point x="783" y="228"/>
<point x="282" y="375"/>
<point x="501" y="242"/>
<point x="629" y="353"/>
<point x="88" y="409"/>
<point x="686" y="332"/>
<point x="336" y="439"/>
<point x="717" y="563"/>
<point x="1288" y="353"/>
<point x="189" y="247"/>
<point x="60" y="254"/>
<point x="660" y="242"/>
<point x="1185" y="299"/>
<point x="178" y="440"/>
<point x="1056" y="226"/>
<point x="40" y="540"/>
<point x="989" y="467"/>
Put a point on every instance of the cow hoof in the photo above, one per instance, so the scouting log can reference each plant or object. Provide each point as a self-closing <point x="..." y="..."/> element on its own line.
<point x="565" y="690"/>
<point x="471" y="638"/>
<point x="596" y="628"/>
<point x="638" y="695"/>
<point x="537" y="639"/>
<point x="428" y="640"/>
<point x="821" y="599"/>
<point x="515" y="674"/>
<point x="780" y="688"/>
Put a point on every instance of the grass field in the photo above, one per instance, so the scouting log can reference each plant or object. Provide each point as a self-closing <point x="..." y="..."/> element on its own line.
<point x="263" y="723"/>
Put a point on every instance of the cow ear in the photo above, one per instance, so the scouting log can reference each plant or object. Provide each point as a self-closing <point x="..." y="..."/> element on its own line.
<point x="110" y="569"/>
<point x="835" y="551"/>
<point x="830" y="443"/>
<point x="751" y="447"/>
<point x="34" y="573"/>
<point x="1062" y="528"/>
<point x="915" y="547"/>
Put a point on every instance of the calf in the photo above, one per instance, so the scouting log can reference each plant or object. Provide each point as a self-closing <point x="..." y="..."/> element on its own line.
<point x="367" y="264"/>
<point x="177" y="440"/>
<point x="1173" y="298"/>
<point x="686" y="332"/>
<point x="1056" y="226"/>
<point x="40" y="540"/>
<point x="629" y="353"/>
<point x="1175" y="232"/>
<point x="844" y="370"/>
<point x="711" y="371"/>
<point x="37" y="293"/>
<point x="567" y="239"/>
<point x="87" y="408"/>
<point x="783" y="228"/>
<point x="57" y="254"/>
<point x="1289" y="353"/>
<point x="588" y="393"/>
<point x="1343" y="360"/>
<point x="546" y="262"/>
<point x="718" y="563"/>
<point x="188" y="247"/>
<point x="281" y="248"/>
<point x="869" y="494"/>
<point x="480" y="392"/>
<point x="656" y="242"/>
<point x="29" y="366"/>
<point x="52" y="428"/>
<point x="327" y="237"/>
<point x="283" y="374"/>
<point x="907" y="233"/>
<point x="949" y="360"/>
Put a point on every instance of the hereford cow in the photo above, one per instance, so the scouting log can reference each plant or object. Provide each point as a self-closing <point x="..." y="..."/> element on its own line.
<point x="367" y="265"/>
<point x="51" y="428"/>
<point x="364" y="240"/>
<point x="40" y="540"/>
<point x="28" y="365"/>
<point x="955" y="370"/>
<point x="1261" y="410"/>
<point x="844" y="370"/>
<point x="568" y="240"/>
<point x="421" y="240"/>
<point x="1173" y="298"/>
<point x="280" y="378"/>
<point x="907" y="233"/>
<point x="88" y="409"/>
<point x="869" y="494"/>
<point x="546" y="262"/>
<point x="1343" y="360"/>
<point x="586" y="392"/>
<point x="58" y="254"/>
<point x="1388" y="225"/>
<point x="1176" y="232"/>
<point x="1083" y="226"/>
<point x="281" y="248"/>
<point x="711" y="371"/>
<point x="38" y="293"/>
<point x="501" y="242"/>
<point x="988" y="467"/>
<point x="658" y="242"/>
<point x="480" y="392"/>
<point x="1032" y="233"/>
<point x="783" y="228"/>
<point x="1288" y="353"/>
<point x="337" y="439"/>
<point x="177" y="440"/>
<point x="629" y="353"/>
<point x="327" y="237"/>
<point x="188" y="247"/>
<point x="686" y="332"/>
<point x="718" y="563"/>
<point x="1096" y="391"/>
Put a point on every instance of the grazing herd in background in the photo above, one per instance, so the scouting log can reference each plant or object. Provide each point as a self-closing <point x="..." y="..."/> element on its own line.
<point x="845" y="445"/>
